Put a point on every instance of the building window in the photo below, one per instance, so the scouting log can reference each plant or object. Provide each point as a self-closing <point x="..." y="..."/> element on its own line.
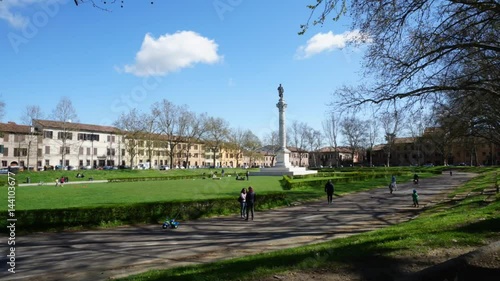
<point x="95" y="150"/>
<point x="64" y="135"/>
<point x="64" y="150"/>
<point x="19" y="138"/>
<point x="47" y="149"/>
<point x="88" y="150"/>
<point x="80" y="150"/>
<point x="195" y="146"/>
<point x="39" y="152"/>
<point x="4" y="163"/>
<point x="20" y="152"/>
<point x="47" y="163"/>
<point x="47" y="134"/>
<point x="90" y="137"/>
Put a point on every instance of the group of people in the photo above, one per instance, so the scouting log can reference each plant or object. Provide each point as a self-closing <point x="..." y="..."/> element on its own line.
<point x="414" y="195"/>
<point x="247" y="203"/>
<point x="61" y="181"/>
<point x="330" y="189"/>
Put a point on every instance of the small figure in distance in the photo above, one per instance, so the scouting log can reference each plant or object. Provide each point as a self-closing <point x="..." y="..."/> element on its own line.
<point x="415" y="198"/>
<point x="415" y="178"/>
<point x="329" y="189"/>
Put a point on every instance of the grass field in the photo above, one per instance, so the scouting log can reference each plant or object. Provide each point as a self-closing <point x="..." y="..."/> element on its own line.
<point x="108" y="194"/>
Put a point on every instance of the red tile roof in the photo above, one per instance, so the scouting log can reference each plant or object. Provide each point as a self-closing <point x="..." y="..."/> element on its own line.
<point x="12" y="127"/>
<point x="49" y="124"/>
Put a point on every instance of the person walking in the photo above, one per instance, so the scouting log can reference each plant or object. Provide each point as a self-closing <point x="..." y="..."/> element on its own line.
<point x="243" y="203"/>
<point x="415" y="178"/>
<point x="415" y="198"/>
<point x="329" y="189"/>
<point x="393" y="183"/>
<point x="247" y="174"/>
<point x="250" y="200"/>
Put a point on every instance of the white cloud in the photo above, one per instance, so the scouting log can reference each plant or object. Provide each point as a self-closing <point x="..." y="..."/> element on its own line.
<point x="172" y="52"/>
<point x="325" y="42"/>
<point x="12" y="11"/>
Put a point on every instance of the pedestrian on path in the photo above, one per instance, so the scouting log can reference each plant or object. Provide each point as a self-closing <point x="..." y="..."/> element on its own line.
<point x="415" y="198"/>
<point x="250" y="200"/>
<point x="329" y="189"/>
<point x="243" y="203"/>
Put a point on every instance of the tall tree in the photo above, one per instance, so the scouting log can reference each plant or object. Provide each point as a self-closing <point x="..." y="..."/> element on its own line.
<point x="354" y="131"/>
<point x="194" y="128"/>
<point x="32" y="112"/>
<point x="236" y="141"/>
<point x="132" y="130"/>
<point x="251" y="146"/>
<point x="391" y="123"/>
<point x="272" y="145"/>
<point x="372" y="136"/>
<point x="331" y="128"/>
<point x="421" y="48"/>
<point x="297" y="133"/>
<point x="169" y="124"/>
<point x="65" y="113"/>
<point x="217" y="131"/>
<point x="313" y="141"/>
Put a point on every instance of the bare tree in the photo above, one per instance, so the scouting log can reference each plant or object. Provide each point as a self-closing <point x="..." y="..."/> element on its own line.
<point x="372" y="136"/>
<point x="32" y="112"/>
<point x="313" y="141"/>
<point x="65" y="113"/>
<point x="272" y="145"/>
<point x="169" y="124"/>
<point x="391" y="124"/>
<point x="354" y="131"/>
<point x="236" y="141"/>
<point x="251" y="146"/>
<point x="419" y="49"/>
<point x="297" y="133"/>
<point x="331" y="127"/>
<point x="132" y="130"/>
<point x="194" y="128"/>
<point x="217" y="130"/>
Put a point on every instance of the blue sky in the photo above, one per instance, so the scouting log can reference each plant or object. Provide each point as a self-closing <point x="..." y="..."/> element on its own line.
<point x="222" y="57"/>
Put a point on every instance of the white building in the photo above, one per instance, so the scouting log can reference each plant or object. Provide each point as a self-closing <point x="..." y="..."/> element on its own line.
<point x="76" y="144"/>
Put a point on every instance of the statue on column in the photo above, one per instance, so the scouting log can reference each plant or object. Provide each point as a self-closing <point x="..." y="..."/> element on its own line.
<point x="281" y="91"/>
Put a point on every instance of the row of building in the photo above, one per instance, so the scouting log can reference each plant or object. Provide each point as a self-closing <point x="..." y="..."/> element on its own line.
<point x="51" y="144"/>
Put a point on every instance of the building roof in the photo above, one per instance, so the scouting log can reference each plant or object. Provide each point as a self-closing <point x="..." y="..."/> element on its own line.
<point x="340" y="149"/>
<point x="12" y="127"/>
<point x="50" y="124"/>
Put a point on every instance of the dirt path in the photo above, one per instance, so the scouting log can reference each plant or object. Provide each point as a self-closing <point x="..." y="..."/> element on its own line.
<point x="104" y="254"/>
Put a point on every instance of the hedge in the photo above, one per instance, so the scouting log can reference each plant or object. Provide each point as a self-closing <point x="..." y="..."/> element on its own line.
<point x="139" y="213"/>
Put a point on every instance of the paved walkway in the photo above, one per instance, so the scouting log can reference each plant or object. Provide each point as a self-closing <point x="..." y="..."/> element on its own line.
<point x="104" y="254"/>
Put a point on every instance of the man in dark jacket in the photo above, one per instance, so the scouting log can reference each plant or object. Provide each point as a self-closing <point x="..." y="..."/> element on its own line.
<point x="250" y="200"/>
<point x="329" y="189"/>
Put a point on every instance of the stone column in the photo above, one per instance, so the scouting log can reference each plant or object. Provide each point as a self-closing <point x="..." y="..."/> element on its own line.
<point x="283" y="156"/>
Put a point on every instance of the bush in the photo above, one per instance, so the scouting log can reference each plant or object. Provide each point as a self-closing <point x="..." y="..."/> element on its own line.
<point x="39" y="220"/>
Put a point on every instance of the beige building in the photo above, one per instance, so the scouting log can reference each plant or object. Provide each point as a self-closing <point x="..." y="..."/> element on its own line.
<point x="18" y="145"/>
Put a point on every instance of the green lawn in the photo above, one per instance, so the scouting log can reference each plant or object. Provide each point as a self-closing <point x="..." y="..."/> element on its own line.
<point x="99" y="194"/>
<point x="50" y="176"/>
<point x="107" y="194"/>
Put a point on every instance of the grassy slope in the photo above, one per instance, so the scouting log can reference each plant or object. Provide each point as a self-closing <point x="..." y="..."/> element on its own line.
<point x="472" y="221"/>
